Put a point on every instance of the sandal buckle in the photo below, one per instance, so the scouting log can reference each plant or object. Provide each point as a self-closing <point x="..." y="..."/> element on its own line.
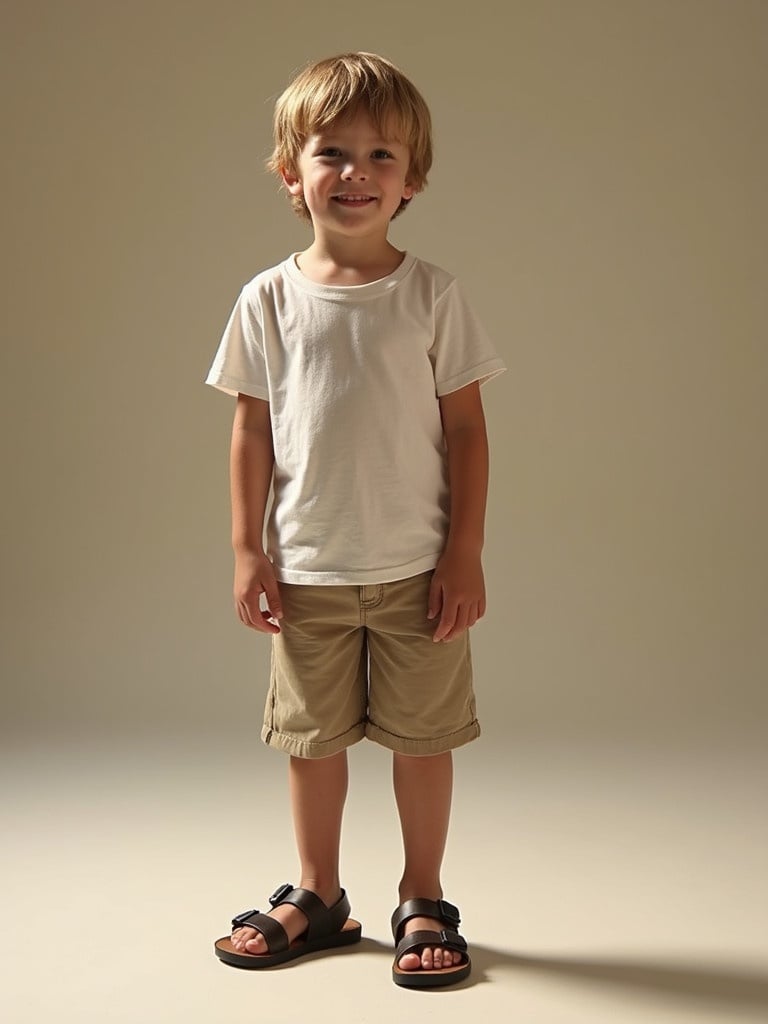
<point x="452" y="938"/>
<point x="279" y="894"/>
<point x="240" y="920"/>
<point x="449" y="914"/>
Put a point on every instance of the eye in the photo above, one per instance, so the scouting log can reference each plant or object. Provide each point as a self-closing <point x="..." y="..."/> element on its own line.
<point x="382" y="154"/>
<point x="329" y="151"/>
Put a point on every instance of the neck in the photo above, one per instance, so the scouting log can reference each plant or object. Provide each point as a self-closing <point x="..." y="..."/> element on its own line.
<point x="349" y="261"/>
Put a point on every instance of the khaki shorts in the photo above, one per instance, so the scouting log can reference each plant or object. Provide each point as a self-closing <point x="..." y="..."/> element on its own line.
<point x="353" y="662"/>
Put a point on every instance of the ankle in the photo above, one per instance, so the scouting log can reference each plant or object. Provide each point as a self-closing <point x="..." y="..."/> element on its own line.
<point x="327" y="888"/>
<point x="424" y="888"/>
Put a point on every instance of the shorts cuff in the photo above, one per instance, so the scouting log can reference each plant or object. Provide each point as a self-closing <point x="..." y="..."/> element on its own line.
<point x="416" y="747"/>
<point x="312" y="748"/>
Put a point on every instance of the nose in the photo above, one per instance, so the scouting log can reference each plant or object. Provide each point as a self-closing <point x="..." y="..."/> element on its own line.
<point x="354" y="171"/>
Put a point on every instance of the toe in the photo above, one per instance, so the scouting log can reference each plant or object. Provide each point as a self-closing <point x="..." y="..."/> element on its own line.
<point x="240" y="936"/>
<point x="248" y="940"/>
<point x="430" y="958"/>
<point x="256" y="945"/>
<point x="409" y="962"/>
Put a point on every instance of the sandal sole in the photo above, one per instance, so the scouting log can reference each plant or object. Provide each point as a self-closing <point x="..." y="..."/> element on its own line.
<point x="431" y="979"/>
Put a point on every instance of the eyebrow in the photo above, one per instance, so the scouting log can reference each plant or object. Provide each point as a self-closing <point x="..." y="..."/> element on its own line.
<point x="370" y="140"/>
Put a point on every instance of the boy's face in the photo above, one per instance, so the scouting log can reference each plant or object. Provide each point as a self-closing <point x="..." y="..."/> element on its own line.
<point x="352" y="180"/>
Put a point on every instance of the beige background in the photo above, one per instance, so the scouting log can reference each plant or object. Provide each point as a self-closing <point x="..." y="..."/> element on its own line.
<point x="599" y="187"/>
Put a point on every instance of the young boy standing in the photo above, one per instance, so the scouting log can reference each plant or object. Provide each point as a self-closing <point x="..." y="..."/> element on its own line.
<point x="357" y="369"/>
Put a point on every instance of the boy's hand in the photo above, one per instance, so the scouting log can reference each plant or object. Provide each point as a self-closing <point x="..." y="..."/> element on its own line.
<point x="254" y="576"/>
<point x="457" y="594"/>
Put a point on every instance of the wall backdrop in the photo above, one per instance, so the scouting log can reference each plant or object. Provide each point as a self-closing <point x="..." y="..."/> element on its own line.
<point x="599" y="188"/>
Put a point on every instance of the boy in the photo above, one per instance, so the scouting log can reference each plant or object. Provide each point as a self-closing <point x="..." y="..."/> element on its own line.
<point x="357" y="370"/>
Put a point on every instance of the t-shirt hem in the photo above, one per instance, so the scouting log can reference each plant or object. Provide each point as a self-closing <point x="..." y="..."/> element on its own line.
<point x="357" y="577"/>
<point x="233" y="386"/>
<point x="483" y="373"/>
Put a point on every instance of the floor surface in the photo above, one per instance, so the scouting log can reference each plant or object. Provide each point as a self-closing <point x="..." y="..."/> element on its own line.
<point x="595" y="887"/>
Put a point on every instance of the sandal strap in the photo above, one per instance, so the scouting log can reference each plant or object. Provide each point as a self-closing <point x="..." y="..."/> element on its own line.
<point x="440" y="910"/>
<point x="274" y="934"/>
<point x="447" y="938"/>
<point x="321" y="920"/>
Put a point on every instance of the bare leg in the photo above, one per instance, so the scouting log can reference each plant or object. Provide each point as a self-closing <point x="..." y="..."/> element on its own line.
<point x="423" y="791"/>
<point x="318" y="790"/>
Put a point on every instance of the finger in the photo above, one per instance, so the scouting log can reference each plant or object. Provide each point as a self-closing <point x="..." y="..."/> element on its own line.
<point x="266" y="625"/>
<point x="242" y="613"/>
<point x="259" y="622"/>
<point x="262" y="624"/>
<point x="246" y="602"/>
<point x="447" y="620"/>
<point x="274" y="604"/>
<point x="460" y="624"/>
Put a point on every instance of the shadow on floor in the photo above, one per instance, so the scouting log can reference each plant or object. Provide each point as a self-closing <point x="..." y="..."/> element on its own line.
<point x="710" y="985"/>
<point x="715" y="986"/>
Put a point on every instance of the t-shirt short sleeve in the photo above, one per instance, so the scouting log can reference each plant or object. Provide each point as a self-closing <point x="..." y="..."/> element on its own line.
<point x="239" y="364"/>
<point x="462" y="351"/>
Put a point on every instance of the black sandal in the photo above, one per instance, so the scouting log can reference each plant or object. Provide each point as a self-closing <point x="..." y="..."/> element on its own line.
<point x="449" y="938"/>
<point x="327" y="928"/>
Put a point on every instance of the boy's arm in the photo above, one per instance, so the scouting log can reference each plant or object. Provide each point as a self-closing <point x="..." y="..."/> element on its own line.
<point x="458" y="587"/>
<point x="251" y="464"/>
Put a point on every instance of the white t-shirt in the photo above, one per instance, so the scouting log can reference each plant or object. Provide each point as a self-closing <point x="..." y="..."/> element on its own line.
<point x="352" y="376"/>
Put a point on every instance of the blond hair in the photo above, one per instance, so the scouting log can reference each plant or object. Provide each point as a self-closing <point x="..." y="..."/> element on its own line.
<point x="330" y="90"/>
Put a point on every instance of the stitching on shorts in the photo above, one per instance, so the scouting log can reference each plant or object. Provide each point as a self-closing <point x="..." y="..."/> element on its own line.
<point x="425" y="739"/>
<point x="374" y="602"/>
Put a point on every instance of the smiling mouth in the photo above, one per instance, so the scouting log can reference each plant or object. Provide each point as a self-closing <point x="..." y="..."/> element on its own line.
<point x="353" y="200"/>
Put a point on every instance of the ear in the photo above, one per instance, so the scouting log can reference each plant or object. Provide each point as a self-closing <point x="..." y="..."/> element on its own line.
<point x="409" y="191"/>
<point x="291" y="181"/>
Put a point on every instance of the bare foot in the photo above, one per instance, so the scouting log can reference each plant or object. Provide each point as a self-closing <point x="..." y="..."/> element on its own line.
<point x="431" y="958"/>
<point x="248" y="940"/>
